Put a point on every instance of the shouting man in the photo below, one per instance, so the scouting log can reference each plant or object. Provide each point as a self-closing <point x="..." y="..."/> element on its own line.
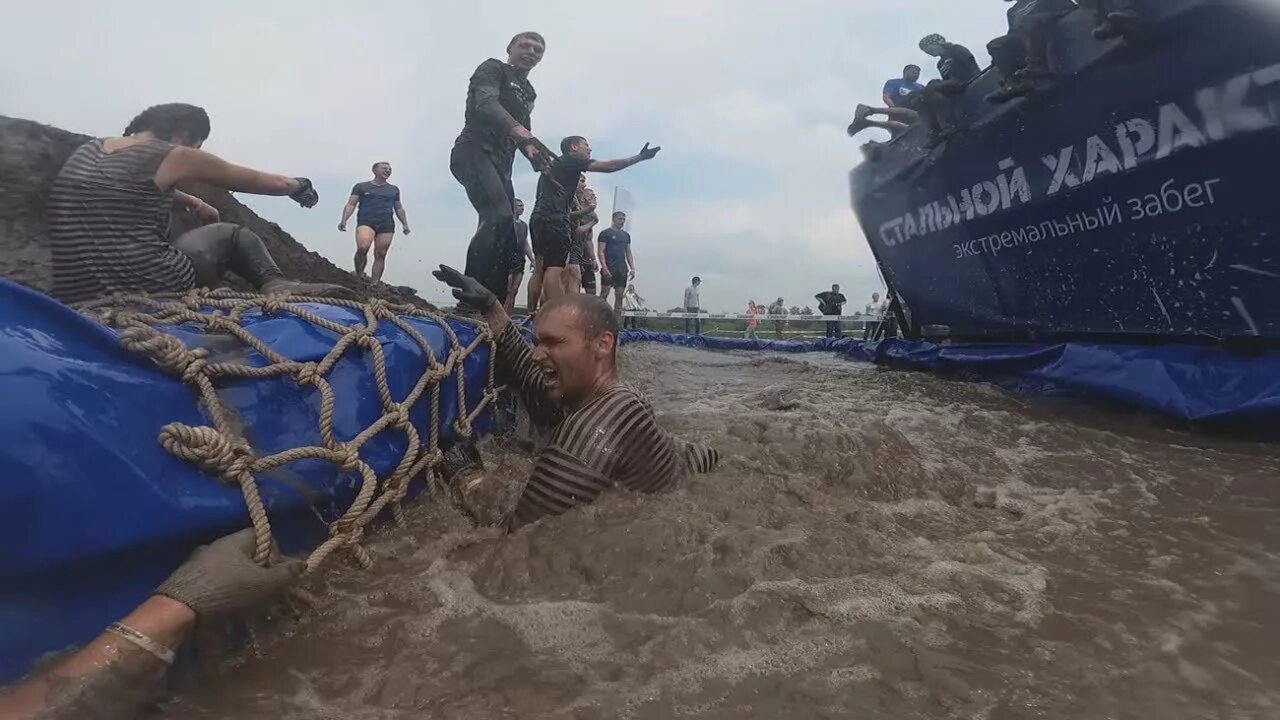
<point x="603" y="433"/>
<point x="375" y="226"/>
<point x="499" y="106"/>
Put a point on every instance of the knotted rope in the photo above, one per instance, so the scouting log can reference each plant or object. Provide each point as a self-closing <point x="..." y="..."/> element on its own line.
<point x="222" y="450"/>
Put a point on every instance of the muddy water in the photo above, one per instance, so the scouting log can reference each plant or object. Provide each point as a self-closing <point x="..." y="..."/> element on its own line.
<point x="876" y="545"/>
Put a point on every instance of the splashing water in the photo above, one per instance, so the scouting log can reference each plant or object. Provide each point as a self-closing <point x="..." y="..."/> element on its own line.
<point x="876" y="544"/>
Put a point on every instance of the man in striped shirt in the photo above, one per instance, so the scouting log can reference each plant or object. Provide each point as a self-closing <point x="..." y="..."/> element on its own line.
<point x="604" y="434"/>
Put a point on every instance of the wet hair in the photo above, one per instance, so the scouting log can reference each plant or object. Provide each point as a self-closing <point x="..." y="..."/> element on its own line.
<point x="594" y="315"/>
<point x="170" y="120"/>
<point x="696" y="279"/>
<point x="380" y="162"/>
<point x="518" y="200"/>
<point x="616" y="213"/>
<point x="567" y="144"/>
<point x="527" y="34"/>
<point x="909" y="68"/>
<point x="934" y="40"/>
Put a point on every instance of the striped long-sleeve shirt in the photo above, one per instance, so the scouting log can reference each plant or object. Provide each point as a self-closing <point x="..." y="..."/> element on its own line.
<point x="612" y="440"/>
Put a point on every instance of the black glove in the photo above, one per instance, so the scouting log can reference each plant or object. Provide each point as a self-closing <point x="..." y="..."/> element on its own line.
<point x="467" y="290"/>
<point x="648" y="153"/>
<point x="306" y="194"/>
<point x="542" y="161"/>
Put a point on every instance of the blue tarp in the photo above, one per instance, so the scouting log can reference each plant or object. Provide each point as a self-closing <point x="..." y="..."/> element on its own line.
<point x="1190" y="383"/>
<point x="97" y="513"/>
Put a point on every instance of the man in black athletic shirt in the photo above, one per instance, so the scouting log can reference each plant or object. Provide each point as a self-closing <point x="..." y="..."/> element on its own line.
<point x="377" y="200"/>
<point x="499" y="105"/>
<point x="550" y="225"/>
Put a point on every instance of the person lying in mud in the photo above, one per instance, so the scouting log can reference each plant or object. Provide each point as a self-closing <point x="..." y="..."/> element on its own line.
<point x="603" y="433"/>
<point x="109" y="209"/>
<point x="120" y="672"/>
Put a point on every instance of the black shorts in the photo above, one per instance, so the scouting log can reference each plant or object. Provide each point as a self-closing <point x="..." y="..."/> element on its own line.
<point x="380" y="227"/>
<point x="617" y="276"/>
<point x="588" y="279"/>
<point x="551" y="239"/>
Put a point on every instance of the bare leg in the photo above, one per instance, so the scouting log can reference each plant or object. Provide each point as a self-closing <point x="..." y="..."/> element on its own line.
<point x="572" y="279"/>
<point x="364" y="241"/>
<point x="617" y="302"/>
<point x="513" y="289"/>
<point x="535" y="284"/>
<point x="381" y="245"/>
<point x="553" y="282"/>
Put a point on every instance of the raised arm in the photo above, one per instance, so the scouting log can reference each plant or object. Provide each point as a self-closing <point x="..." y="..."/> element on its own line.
<point x="610" y="166"/>
<point x="184" y="164"/>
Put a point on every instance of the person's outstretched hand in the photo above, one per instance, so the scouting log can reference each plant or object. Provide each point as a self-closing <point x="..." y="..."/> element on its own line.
<point x="306" y="194"/>
<point x="222" y="577"/>
<point x="467" y="290"/>
<point x="648" y="153"/>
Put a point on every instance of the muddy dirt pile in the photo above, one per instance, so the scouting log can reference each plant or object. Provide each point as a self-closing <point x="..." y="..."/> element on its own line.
<point x="30" y="156"/>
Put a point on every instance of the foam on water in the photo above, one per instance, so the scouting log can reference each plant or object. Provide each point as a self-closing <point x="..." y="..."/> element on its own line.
<point x="875" y="544"/>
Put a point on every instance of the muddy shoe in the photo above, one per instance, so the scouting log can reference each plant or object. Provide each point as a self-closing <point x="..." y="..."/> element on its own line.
<point x="861" y="112"/>
<point x="323" y="290"/>
<point x="858" y="126"/>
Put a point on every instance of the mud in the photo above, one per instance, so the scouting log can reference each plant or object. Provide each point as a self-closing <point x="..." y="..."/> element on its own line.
<point x="30" y="156"/>
<point x="876" y="544"/>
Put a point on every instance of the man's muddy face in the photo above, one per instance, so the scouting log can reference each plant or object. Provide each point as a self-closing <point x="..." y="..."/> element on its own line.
<point x="525" y="54"/>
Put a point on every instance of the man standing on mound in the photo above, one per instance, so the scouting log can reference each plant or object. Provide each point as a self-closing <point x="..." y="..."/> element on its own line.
<point x="499" y="106"/>
<point x="375" y="226"/>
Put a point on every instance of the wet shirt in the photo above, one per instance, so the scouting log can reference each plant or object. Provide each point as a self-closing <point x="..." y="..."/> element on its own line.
<point x="495" y="92"/>
<point x="558" y="187"/>
<point x="957" y="63"/>
<point x="522" y="239"/>
<point x="377" y="202"/>
<point x="615" y="244"/>
<point x="831" y="303"/>
<point x="612" y="441"/>
<point x="897" y="89"/>
<point x="108" y="225"/>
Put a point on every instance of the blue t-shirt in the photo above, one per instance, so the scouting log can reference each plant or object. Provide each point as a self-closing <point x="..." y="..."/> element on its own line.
<point x="377" y="202"/>
<point x="615" y="247"/>
<point x="898" y="88"/>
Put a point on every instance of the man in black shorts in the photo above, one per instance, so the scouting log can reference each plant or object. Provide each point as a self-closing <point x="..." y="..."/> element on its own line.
<point x="550" y="225"/>
<point x="617" y="264"/>
<point x="375" y="226"/>
<point x="499" y="105"/>
<point x="517" y="260"/>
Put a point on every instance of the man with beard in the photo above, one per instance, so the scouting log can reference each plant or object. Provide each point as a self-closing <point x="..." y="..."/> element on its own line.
<point x="603" y="433"/>
<point x="499" y="105"/>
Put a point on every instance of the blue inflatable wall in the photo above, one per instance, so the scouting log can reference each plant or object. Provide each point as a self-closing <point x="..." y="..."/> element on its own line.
<point x="97" y="513"/>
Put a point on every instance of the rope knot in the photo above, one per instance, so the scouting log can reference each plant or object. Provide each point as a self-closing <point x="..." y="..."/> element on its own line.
<point x="399" y="417"/>
<point x="208" y="449"/>
<point x="308" y="374"/>
<point x="350" y="460"/>
<point x="274" y="305"/>
<point x="361" y="337"/>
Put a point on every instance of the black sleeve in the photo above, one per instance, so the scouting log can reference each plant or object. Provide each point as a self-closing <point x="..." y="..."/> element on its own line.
<point x="486" y="89"/>
<point x="355" y="190"/>
<point x="571" y="164"/>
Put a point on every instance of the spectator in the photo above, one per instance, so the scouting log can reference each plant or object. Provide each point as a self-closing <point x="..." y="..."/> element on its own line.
<point x="807" y="310"/>
<point x="617" y="263"/>
<point x="631" y="301"/>
<point x="898" y="95"/>
<point x="1022" y="56"/>
<point x="831" y="303"/>
<point x="752" y="311"/>
<point x="517" y="260"/>
<point x="778" y="308"/>
<point x="693" y="304"/>
<point x="874" y="314"/>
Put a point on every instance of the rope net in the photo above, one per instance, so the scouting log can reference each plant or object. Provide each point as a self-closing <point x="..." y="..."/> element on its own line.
<point x="222" y="450"/>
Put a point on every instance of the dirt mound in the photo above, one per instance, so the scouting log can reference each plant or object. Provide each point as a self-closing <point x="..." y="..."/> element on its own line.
<point x="30" y="157"/>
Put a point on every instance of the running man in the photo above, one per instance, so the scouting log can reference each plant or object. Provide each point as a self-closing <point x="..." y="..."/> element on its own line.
<point x="517" y="260"/>
<point x="617" y="264"/>
<point x="375" y="226"/>
<point x="499" y="105"/>
<point x="603" y="433"/>
<point x="551" y="226"/>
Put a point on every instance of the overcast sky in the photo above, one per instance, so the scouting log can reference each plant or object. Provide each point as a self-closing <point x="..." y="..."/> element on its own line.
<point x="749" y="101"/>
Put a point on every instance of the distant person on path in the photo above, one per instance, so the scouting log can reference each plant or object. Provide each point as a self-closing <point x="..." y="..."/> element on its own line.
<point x="778" y="308"/>
<point x="617" y="263"/>
<point x="752" y="322"/>
<point x="693" y="304"/>
<point x="874" y="313"/>
<point x="831" y="302"/>
<point x="551" y="225"/>
<point x="631" y="301"/>
<point x="122" y="671"/>
<point x="109" y="208"/>
<point x="497" y="121"/>
<point x="604" y="435"/>
<point x="375" y="226"/>
<point x="523" y="250"/>
<point x="582" y="264"/>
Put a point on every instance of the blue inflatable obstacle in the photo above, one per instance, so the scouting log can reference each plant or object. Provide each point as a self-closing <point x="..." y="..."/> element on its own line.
<point x="97" y="513"/>
<point x="1189" y="383"/>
